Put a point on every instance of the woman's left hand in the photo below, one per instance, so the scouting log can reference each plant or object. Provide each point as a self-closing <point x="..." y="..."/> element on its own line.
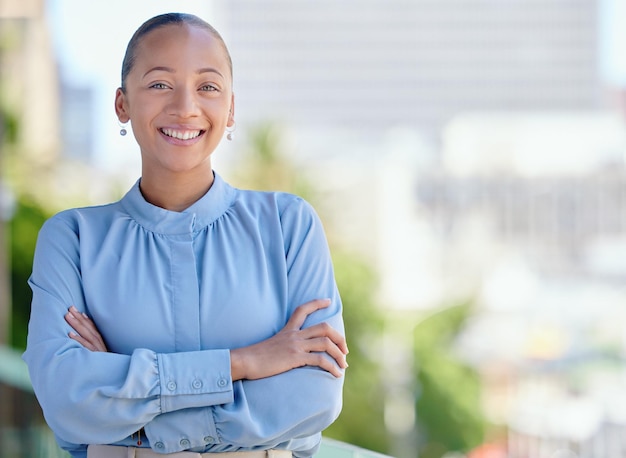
<point x="88" y="335"/>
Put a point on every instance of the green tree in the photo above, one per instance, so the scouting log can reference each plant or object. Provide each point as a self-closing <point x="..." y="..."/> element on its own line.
<point x="264" y="166"/>
<point x="23" y="229"/>
<point x="448" y="406"/>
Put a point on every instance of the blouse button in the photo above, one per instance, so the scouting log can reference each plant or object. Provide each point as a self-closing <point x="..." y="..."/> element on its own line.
<point x="209" y="439"/>
<point x="171" y="386"/>
<point x="222" y="382"/>
<point x="159" y="445"/>
<point x="197" y="384"/>
<point x="184" y="443"/>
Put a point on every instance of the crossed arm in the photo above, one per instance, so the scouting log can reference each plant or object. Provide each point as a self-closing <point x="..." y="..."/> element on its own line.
<point x="288" y="349"/>
<point x="77" y="388"/>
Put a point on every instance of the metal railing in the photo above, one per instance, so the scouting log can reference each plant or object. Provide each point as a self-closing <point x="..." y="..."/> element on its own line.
<point x="331" y="448"/>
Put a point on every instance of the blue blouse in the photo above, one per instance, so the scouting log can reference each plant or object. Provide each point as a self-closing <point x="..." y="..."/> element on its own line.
<point x="171" y="293"/>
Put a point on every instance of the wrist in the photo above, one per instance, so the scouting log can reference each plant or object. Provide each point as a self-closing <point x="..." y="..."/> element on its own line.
<point x="237" y="366"/>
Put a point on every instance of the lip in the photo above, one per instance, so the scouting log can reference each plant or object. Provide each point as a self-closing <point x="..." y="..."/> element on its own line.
<point x="184" y="129"/>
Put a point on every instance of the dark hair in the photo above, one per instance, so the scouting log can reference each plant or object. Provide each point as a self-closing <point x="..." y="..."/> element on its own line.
<point x="160" y="21"/>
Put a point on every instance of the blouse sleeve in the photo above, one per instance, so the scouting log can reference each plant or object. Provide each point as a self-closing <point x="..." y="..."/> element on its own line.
<point x="79" y="390"/>
<point x="301" y="402"/>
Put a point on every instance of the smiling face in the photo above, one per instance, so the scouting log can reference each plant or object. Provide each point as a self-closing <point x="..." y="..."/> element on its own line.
<point x="178" y="98"/>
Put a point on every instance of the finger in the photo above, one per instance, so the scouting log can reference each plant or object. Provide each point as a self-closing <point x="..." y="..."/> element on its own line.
<point x="325" y="345"/>
<point x="82" y="320"/>
<point x="326" y="330"/>
<point x="90" y="345"/>
<point x="78" y="322"/>
<point x="321" y="361"/>
<point x="91" y="327"/>
<point x="85" y="327"/>
<point x="85" y="343"/>
<point x="301" y="313"/>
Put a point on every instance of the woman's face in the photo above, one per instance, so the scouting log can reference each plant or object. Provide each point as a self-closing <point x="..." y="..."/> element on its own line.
<point x="178" y="98"/>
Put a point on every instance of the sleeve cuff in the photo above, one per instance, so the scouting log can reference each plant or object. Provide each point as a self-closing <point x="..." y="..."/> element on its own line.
<point x="194" y="379"/>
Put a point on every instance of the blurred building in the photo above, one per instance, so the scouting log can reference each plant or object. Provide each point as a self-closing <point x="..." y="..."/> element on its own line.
<point x="371" y="65"/>
<point x="77" y="127"/>
<point x="347" y="77"/>
<point x="530" y="208"/>
<point x="28" y="78"/>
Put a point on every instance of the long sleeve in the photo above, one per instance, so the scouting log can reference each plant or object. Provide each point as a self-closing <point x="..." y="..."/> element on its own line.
<point x="302" y="402"/>
<point x="171" y="293"/>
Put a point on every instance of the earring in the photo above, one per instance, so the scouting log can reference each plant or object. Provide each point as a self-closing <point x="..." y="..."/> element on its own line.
<point x="123" y="130"/>
<point x="230" y="132"/>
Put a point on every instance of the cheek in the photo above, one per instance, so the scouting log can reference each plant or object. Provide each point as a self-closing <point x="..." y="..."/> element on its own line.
<point x="143" y="114"/>
<point x="218" y="107"/>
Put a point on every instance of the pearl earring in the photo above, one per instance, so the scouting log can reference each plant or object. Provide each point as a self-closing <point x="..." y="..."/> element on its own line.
<point x="123" y="130"/>
<point x="230" y="132"/>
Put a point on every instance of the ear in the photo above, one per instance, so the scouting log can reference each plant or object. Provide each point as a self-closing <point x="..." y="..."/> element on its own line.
<point x="231" y="112"/>
<point x="121" y="106"/>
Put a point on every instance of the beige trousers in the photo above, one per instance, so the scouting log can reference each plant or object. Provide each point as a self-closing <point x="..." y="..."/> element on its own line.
<point x="111" y="451"/>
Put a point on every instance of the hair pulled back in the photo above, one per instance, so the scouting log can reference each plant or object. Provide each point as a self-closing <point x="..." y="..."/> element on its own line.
<point x="161" y="21"/>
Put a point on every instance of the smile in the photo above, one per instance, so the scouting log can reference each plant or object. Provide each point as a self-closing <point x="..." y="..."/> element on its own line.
<point x="181" y="134"/>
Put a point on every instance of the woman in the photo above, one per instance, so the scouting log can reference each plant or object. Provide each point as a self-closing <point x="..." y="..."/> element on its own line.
<point x="190" y="316"/>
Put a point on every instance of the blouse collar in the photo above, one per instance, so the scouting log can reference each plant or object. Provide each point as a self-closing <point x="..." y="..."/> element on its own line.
<point x="196" y="217"/>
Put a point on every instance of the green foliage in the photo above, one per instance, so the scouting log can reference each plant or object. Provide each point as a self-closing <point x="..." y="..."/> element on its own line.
<point x="361" y="422"/>
<point x="264" y="166"/>
<point x="448" y="406"/>
<point x="23" y="229"/>
<point x="8" y="127"/>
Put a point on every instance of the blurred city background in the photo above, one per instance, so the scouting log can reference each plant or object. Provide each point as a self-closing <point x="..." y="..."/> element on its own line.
<point x="466" y="157"/>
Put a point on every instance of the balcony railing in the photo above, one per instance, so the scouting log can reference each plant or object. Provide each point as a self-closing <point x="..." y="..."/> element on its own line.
<point x="331" y="448"/>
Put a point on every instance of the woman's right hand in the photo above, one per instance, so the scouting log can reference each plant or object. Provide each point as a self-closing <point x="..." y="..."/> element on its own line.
<point x="293" y="347"/>
<point x="88" y="335"/>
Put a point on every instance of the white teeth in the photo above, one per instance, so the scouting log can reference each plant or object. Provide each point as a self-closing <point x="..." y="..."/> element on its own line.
<point x="181" y="135"/>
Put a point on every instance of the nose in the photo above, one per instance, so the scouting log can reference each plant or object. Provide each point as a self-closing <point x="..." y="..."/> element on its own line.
<point x="183" y="103"/>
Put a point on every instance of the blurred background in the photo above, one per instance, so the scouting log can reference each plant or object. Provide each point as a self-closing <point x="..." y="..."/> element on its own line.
<point x="466" y="157"/>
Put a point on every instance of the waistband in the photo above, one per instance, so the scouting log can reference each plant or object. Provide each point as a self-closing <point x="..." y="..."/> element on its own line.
<point x="114" y="451"/>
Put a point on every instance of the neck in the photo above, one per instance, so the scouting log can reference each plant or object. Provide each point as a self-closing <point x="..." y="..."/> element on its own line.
<point x="175" y="192"/>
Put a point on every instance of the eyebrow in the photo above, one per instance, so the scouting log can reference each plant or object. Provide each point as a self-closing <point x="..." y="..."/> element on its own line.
<point x="171" y="70"/>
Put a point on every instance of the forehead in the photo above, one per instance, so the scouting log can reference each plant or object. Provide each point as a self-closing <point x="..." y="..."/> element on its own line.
<point x="174" y="45"/>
